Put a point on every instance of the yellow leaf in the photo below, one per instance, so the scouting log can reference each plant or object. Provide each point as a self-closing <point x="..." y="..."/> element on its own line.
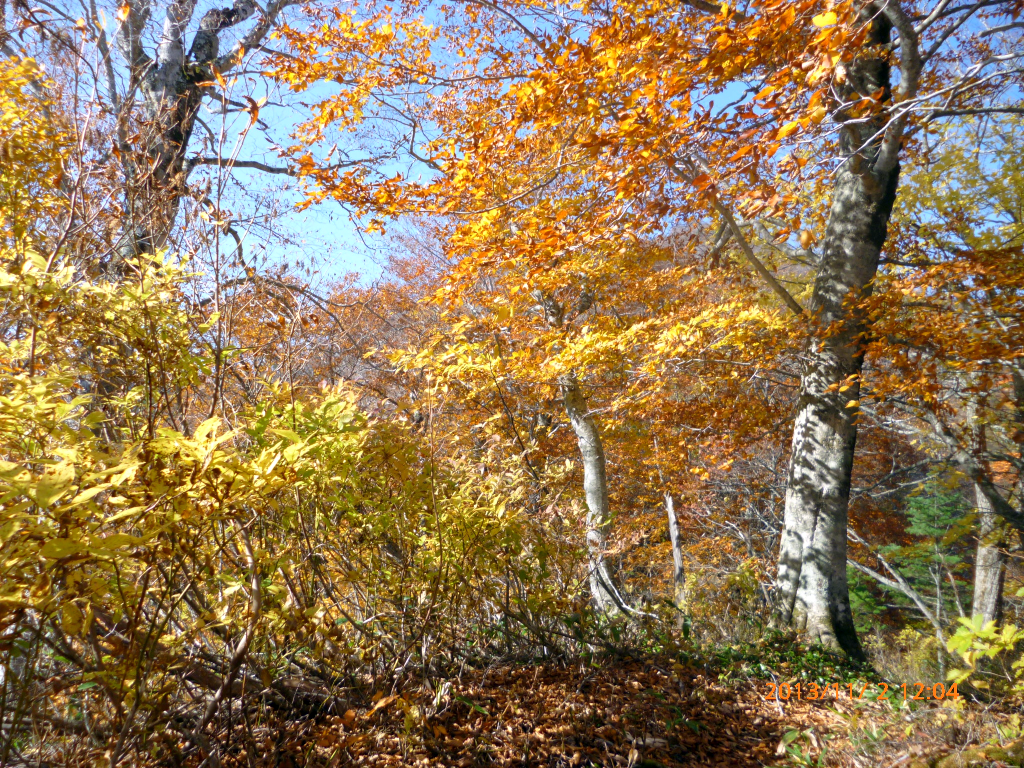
<point x="824" y="19"/>
<point x="53" y="483"/>
<point x="71" y="618"/>
<point x="11" y="471"/>
<point x="787" y="129"/>
<point x="206" y="429"/>
<point x="287" y="433"/>
<point x="87" y="494"/>
<point x="55" y="549"/>
<point x="853" y="404"/>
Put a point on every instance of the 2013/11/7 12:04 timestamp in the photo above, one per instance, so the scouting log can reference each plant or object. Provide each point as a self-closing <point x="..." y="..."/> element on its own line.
<point x="880" y="691"/>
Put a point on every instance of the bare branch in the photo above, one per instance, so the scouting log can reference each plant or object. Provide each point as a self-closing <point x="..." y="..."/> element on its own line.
<point x="931" y="18"/>
<point x="973" y="468"/>
<point x="221" y="162"/>
<point x="897" y="583"/>
<point x="129" y="37"/>
<point x="977" y="111"/>
<point x="748" y="252"/>
<point x="525" y="30"/>
<point x="954" y="28"/>
<point x="910" y="73"/>
<point x="1003" y="28"/>
<point x="254" y="38"/>
<point x="242" y="648"/>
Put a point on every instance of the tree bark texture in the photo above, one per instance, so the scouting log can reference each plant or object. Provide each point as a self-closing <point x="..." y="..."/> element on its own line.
<point x="595" y="489"/>
<point x="812" y="593"/>
<point x="603" y="591"/>
<point x="173" y="84"/>
<point x="678" y="568"/>
<point x="989" y="562"/>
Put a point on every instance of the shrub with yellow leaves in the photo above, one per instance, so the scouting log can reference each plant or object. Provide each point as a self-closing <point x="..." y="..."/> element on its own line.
<point x="152" y="567"/>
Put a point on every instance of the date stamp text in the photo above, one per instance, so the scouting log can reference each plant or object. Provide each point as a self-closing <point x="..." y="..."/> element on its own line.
<point x="806" y="691"/>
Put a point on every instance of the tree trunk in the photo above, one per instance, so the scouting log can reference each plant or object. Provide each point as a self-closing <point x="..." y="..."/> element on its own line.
<point x="678" y="569"/>
<point x="811" y="588"/>
<point x="603" y="592"/>
<point x="173" y="85"/>
<point x="595" y="488"/>
<point x="989" y="564"/>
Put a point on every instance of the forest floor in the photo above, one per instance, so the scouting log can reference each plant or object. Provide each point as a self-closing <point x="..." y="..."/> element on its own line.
<point x="643" y="713"/>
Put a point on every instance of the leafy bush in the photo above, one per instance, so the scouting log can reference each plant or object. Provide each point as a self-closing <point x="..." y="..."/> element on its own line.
<point x="989" y="655"/>
<point x="153" y="568"/>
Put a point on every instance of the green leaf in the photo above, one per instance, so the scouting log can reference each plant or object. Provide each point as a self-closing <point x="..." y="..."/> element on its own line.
<point x="473" y="705"/>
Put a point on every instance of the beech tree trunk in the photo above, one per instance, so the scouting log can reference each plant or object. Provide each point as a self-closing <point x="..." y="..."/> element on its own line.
<point x="989" y="563"/>
<point x="678" y="568"/>
<point x="812" y="593"/>
<point x="595" y="479"/>
<point x="595" y="488"/>
<point x="173" y="84"/>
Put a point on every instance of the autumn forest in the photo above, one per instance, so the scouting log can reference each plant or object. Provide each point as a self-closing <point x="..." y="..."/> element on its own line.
<point x="511" y="383"/>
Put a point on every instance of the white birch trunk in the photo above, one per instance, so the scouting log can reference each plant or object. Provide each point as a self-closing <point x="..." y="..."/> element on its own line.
<point x="678" y="567"/>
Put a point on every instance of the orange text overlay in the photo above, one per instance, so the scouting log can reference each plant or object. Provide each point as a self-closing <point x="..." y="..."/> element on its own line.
<point x="806" y="691"/>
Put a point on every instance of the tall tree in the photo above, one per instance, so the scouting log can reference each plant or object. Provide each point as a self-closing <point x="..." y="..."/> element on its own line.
<point x="813" y="595"/>
<point x="615" y="105"/>
<point x="989" y="563"/>
<point x="173" y="80"/>
<point x="947" y="358"/>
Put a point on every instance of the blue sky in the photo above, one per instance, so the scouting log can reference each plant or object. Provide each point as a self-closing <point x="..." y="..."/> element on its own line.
<point x="322" y="237"/>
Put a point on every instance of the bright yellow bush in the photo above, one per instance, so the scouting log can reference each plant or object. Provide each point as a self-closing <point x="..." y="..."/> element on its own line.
<point x="32" y="153"/>
<point x="145" y="566"/>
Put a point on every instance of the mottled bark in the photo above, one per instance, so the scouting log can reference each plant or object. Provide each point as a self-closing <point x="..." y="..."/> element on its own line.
<point x="811" y="589"/>
<point x="173" y="85"/>
<point x="603" y="592"/>
<point x="678" y="568"/>
<point x="595" y="489"/>
<point x="989" y="562"/>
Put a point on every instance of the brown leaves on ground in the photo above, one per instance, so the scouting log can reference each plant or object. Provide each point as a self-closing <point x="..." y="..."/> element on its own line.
<point x="631" y="714"/>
